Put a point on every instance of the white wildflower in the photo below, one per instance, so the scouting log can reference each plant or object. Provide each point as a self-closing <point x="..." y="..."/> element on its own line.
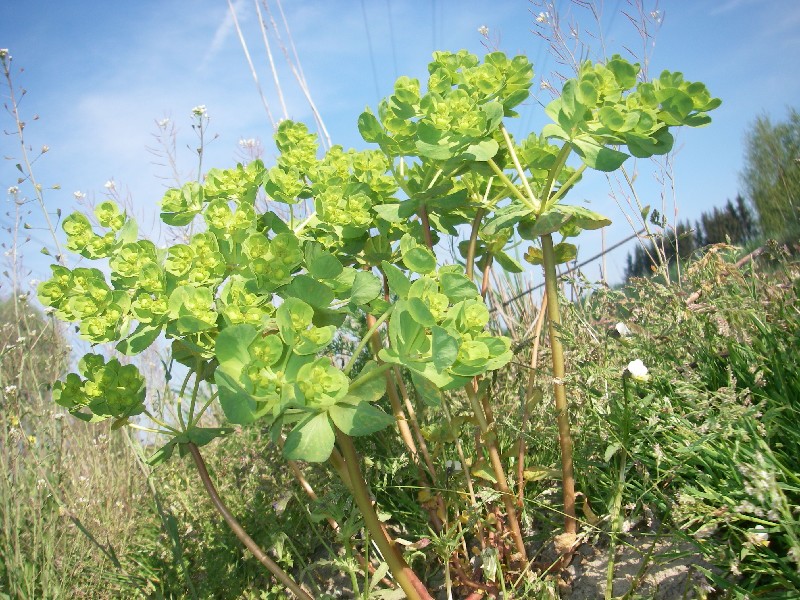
<point x="656" y="16"/>
<point x="45" y="148"/>
<point x="758" y="537"/>
<point x="637" y="370"/>
<point x="110" y="185"/>
<point x="162" y="123"/>
<point x="248" y="144"/>
<point x="542" y="17"/>
<point x="78" y="195"/>
<point x="9" y="390"/>
<point x="483" y="30"/>
<point x="622" y="330"/>
<point x="200" y="111"/>
<point x="13" y="190"/>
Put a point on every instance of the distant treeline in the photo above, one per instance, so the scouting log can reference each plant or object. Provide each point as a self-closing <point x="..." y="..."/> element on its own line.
<point x="770" y="181"/>
<point x="735" y="223"/>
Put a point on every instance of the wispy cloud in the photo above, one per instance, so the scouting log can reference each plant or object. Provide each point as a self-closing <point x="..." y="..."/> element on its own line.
<point x="224" y="30"/>
<point x="731" y="5"/>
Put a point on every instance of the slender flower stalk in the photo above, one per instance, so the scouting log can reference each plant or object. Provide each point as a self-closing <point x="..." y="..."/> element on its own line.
<point x="240" y="533"/>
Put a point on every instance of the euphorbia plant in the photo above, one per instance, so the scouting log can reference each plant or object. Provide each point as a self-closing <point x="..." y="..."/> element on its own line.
<point x="251" y="303"/>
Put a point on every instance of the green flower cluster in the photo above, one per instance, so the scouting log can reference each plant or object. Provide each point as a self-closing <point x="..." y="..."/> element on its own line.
<point x="607" y="105"/>
<point x="107" y="390"/>
<point x="438" y="325"/>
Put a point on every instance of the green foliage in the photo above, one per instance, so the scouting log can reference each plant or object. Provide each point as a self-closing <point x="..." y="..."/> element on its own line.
<point x="711" y="438"/>
<point x="771" y="175"/>
<point x="253" y="301"/>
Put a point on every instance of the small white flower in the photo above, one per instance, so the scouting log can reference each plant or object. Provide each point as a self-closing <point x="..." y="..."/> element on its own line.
<point x="162" y="123"/>
<point x="79" y="195"/>
<point x="13" y="190"/>
<point x="4" y="53"/>
<point x="249" y="143"/>
<point x="199" y="110"/>
<point x="483" y="30"/>
<point x="622" y="329"/>
<point x="45" y="148"/>
<point x="542" y="17"/>
<point x="656" y="16"/>
<point x="110" y="185"/>
<point x="758" y="537"/>
<point x="9" y="390"/>
<point x="637" y="370"/>
<point x="34" y="282"/>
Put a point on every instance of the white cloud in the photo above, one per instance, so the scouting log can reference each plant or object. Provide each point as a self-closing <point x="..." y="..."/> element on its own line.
<point x="224" y="30"/>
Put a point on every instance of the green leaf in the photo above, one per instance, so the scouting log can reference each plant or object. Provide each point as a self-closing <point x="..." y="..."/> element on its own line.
<point x="322" y="264"/>
<point x="141" y="338"/>
<point x="482" y="151"/>
<point x="420" y="312"/>
<point x="611" y="451"/>
<point x="420" y="260"/>
<point x="388" y="212"/>
<point x="311" y="439"/>
<point x="565" y="252"/>
<point x="366" y="288"/>
<point x="203" y="435"/>
<point x="369" y="128"/>
<point x="398" y="282"/>
<point x="377" y="249"/>
<point x="624" y="72"/>
<point x="502" y="218"/>
<point x="163" y="454"/>
<point x="444" y="348"/>
<point x="585" y="218"/>
<point x="457" y="287"/>
<point x="549" y="222"/>
<point x="231" y="348"/>
<point x="370" y="390"/>
<point x="425" y="389"/>
<point x="360" y="419"/>
<point x="597" y="156"/>
<point x="310" y="290"/>
<point x="534" y="255"/>
<point x="482" y="471"/>
<point x="236" y="402"/>
<point x="128" y="233"/>
<point x="509" y="264"/>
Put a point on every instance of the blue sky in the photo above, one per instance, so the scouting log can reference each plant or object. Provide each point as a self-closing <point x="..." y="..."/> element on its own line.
<point x="100" y="74"/>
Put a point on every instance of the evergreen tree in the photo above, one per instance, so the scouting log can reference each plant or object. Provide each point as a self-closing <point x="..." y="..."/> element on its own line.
<point x="771" y="176"/>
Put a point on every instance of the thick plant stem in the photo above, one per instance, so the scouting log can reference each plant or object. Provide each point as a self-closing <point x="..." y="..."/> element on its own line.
<point x="562" y="412"/>
<point x="509" y="499"/>
<point x="237" y="529"/>
<point x="405" y="577"/>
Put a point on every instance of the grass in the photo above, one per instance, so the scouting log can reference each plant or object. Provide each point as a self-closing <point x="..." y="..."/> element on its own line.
<point x="706" y="450"/>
